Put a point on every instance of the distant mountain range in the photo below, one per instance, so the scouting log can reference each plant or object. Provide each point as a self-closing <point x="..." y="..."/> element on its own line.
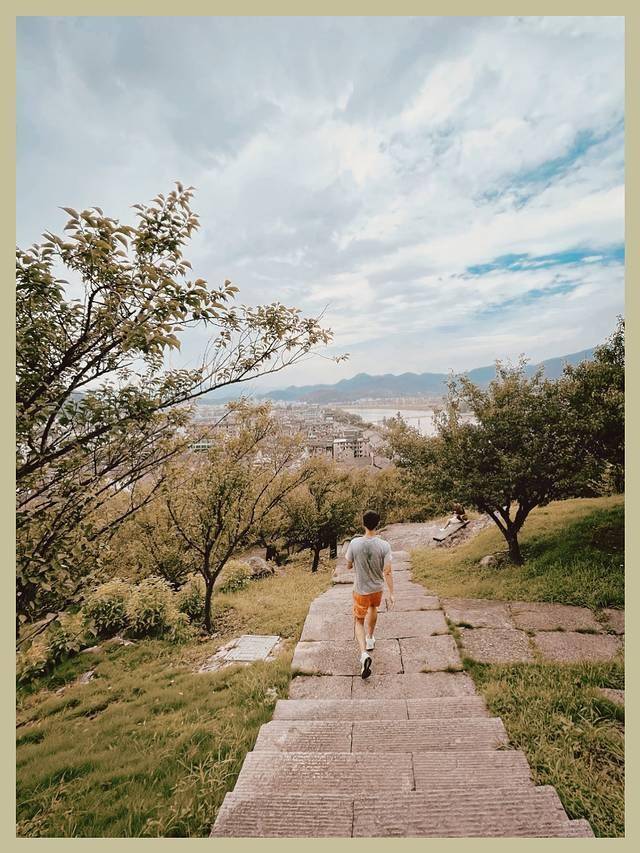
<point x="390" y="385"/>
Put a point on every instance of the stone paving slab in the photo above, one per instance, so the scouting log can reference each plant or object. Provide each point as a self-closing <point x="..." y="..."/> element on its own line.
<point x="305" y="736"/>
<point x="317" y="772"/>
<point x="320" y="687"/>
<point x="614" y="620"/>
<point x="335" y="658"/>
<point x="413" y="685"/>
<point x="474" y="813"/>
<point x="404" y="601"/>
<point x="496" y="645"/>
<point x="569" y="646"/>
<point x="470" y="769"/>
<point x="540" y="616"/>
<point x="420" y="623"/>
<point x="477" y="613"/>
<point x="429" y="654"/>
<point x="319" y="626"/>
<point x="266" y="817"/>
<point x="430" y="735"/>
<point x="446" y="707"/>
<point x="338" y="709"/>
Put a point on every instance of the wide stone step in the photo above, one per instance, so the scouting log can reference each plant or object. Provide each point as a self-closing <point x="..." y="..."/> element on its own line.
<point x="457" y="770"/>
<point x="324" y="772"/>
<point x="394" y="735"/>
<point x="502" y="812"/>
<point x="380" y="709"/>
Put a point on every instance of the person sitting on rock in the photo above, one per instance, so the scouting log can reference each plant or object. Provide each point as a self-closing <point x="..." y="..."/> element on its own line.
<point x="370" y="557"/>
<point x="459" y="516"/>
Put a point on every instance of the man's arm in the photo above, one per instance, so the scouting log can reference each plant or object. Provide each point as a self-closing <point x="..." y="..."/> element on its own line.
<point x="388" y="576"/>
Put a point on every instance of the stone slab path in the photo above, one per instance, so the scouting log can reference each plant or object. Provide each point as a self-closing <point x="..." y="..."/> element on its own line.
<point x="410" y="751"/>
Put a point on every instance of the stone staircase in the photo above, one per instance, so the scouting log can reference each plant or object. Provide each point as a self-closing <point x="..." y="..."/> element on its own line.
<point x="411" y="751"/>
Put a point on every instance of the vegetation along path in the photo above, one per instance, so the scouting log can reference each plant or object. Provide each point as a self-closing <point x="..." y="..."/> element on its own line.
<point x="411" y="751"/>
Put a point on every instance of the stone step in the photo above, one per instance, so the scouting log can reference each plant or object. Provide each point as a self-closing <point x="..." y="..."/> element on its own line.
<point x="380" y="709"/>
<point x="404" y="736"/>
<point x="346" y="773"/>
<point x="503" y="812"/>
<point x="324" y="772"/>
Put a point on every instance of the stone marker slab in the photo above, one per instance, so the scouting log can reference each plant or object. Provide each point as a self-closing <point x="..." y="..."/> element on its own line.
<point x="318" y="626"/>
<point x="613" y="695"/>
<point x="541" y="616"/>
<point x="496" y="645"/>
<point x="569" y="646"/>
<point x="304" y="736"/>
<point x="413" y="685"/>
<point x="429" y="654"/>
<point x="419" y="623"/>
<point x="614" y="620"/>
<point x="477" y="612"/>
<point x="320" y="687"/>
<point x="252" y="647"/>
<point x="329" y="658"/>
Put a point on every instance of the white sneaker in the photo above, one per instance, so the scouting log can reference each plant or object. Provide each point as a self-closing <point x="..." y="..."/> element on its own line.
<point x="370" y="643"/>
<point x="365" y="665"/>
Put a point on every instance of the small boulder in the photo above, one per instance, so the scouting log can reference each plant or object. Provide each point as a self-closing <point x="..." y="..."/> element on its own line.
<point x="489" y="560"/>
<point x="259" y="568"/>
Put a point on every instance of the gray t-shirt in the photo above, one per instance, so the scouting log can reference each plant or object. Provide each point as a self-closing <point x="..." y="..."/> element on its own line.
<point x="368" y="554"/>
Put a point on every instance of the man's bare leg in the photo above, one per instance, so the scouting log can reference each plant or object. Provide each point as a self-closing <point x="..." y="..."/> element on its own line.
<point x="360" y="633"/>
<point x="372" y="618"/>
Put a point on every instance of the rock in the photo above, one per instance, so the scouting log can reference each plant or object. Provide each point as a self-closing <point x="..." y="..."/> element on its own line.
<point x="86" y="677"/>
<point x="90" y="650"/>
<point x="259" y="568"/>
<point x="489" y="560"/>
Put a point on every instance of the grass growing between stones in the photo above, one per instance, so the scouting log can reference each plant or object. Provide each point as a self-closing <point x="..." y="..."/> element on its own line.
<point x="572" y="737"/>
<point x="573" y="552"/>
<point x="149" y="747"/>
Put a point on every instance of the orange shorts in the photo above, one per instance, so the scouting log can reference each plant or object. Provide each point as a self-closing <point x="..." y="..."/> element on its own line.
<point x="361" y="603"/>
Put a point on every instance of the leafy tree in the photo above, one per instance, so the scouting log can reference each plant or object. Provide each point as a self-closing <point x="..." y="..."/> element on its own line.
<point x="522" y="451"/>
<point x="596" y="392"/>
<point x="324" y="509"/>
<point x="214" y="500"/>
<point x="97" y="412"/>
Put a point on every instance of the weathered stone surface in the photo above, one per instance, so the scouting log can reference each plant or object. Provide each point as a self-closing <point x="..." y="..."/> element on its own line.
<point x="511" y="812"/>
<point x="259" y="567"/>
<point x="338" y="709"/>
<point x="320" y="687"/>
<point x="612" y="694"/>
<point x="446" y="707"/>
<point x="540" y="616"/>
<point x="477" y="613"/>
<point x="409" y="601"/>
<point x="269" y="817"/>
<point x="489" y="560"/>
<point x="571" y="646"/>
<point x="319" y="626"/>
<point x="329" y="658"/>
<point x="470" y="769"/>
<point x="428" y="735"/>
<point x="86" y="677"/>
<point x="317" y="772"/>
<point x="304" y="736"/>
<point x="429" y="654"/>
<point x="496" y="645"/>
<point x="250" y="647"/>
<point x="420" y="623"/>
<point x="614" y="620"/>
<point x="413" y="685"/>
<point x="400" y="557"/>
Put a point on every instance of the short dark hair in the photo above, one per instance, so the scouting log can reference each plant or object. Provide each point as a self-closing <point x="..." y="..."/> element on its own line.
<point x="371" y="519"/>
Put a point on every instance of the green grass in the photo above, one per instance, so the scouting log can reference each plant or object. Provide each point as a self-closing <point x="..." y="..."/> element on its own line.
<point x="572" y="737"/>
<point x="573" y="552"/>
<point x="149" y="747"/>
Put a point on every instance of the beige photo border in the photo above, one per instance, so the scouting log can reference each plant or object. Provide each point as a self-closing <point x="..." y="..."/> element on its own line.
<point x="7" y="342"/>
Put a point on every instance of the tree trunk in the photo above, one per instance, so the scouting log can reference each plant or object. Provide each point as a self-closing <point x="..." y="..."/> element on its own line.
<point x="333" y="547"/>
<point x="272" y="552"/>
<point x="514" y="547"/>
<point x="207" y="604"/>
<point x="316" y="558"/>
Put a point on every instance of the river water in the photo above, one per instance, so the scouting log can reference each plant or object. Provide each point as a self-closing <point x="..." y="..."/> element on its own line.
<point x="420" y="419"/>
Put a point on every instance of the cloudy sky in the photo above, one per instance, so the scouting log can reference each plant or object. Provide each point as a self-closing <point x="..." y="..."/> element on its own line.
<point x="451" y="190"/>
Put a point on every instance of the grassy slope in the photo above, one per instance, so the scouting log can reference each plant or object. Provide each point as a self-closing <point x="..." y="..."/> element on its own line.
<point x="149" y="747"/>
<point x="573" y="550"/>
<point x="572" y="737"/>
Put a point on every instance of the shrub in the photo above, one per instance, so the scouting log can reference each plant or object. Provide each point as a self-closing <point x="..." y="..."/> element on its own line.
<point x="237" y="576"/>
<point x="152" y="611"/>
<point x="190" y="597"/>
<point x="66" y="636"/>
<point x="33" y="661"/>
<point x="106" y="607"/>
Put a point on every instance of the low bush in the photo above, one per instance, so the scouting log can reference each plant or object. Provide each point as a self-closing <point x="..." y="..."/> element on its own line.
<point x="151" y="610"/>
<point x="105" y="607"/>
<point x="237" y="576"/>
<point x="190" y="598"/>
